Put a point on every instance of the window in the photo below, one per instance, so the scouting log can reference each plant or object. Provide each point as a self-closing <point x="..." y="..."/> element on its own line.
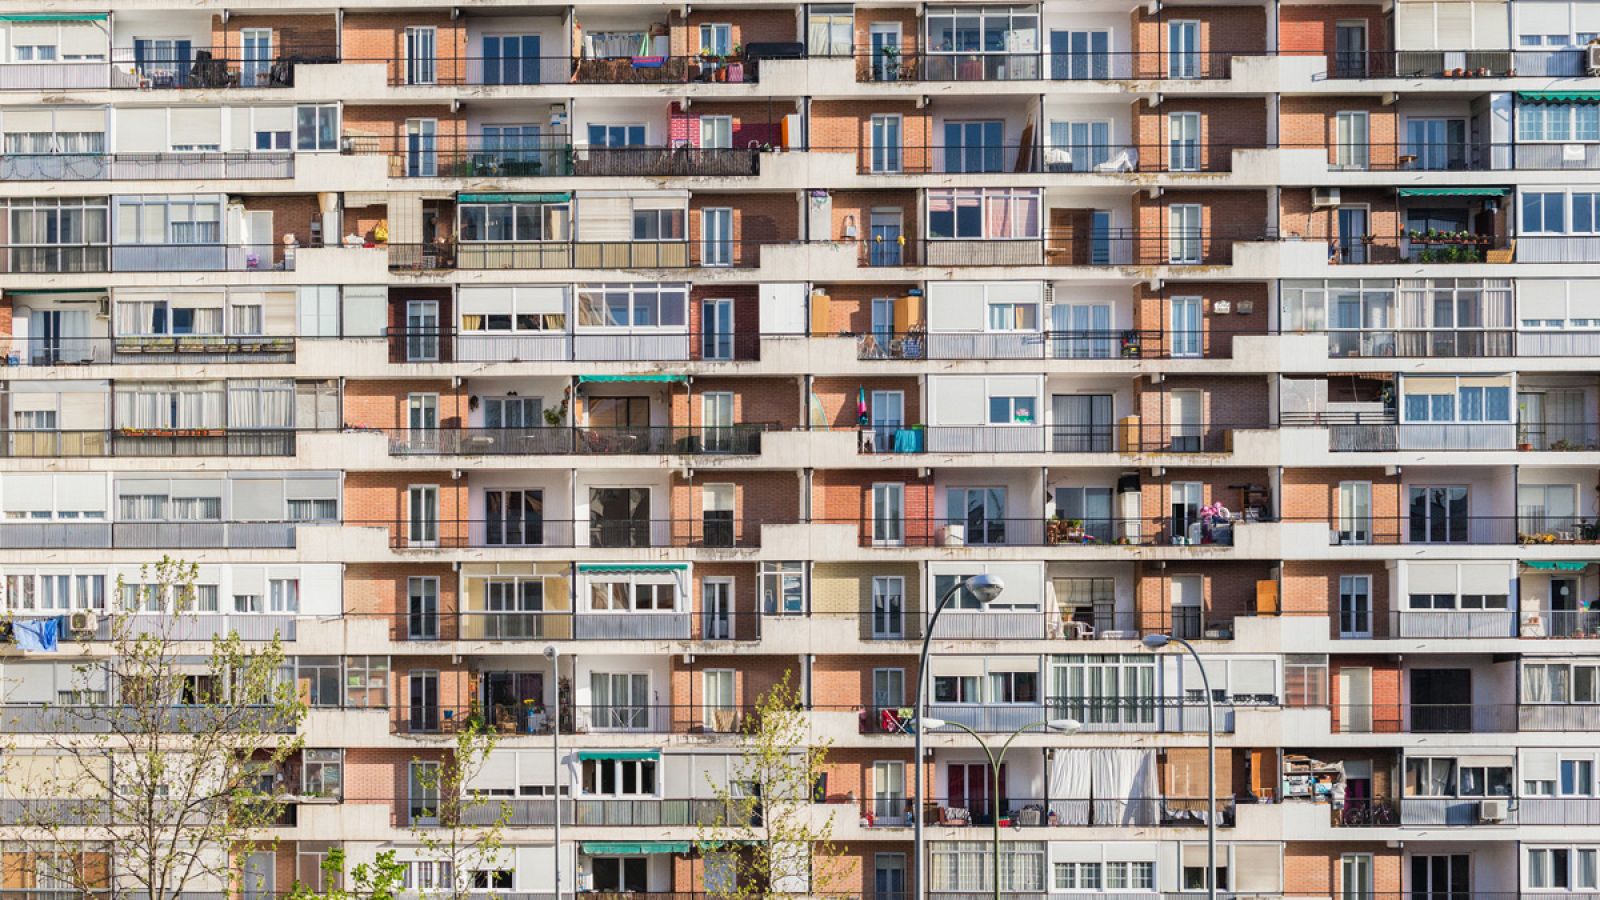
<point x="321" y="675"/>
<point x="632" y="596"/>
<point x="783" y="588"/>
<point x="658" y="224"/>
<point x="616" y="135"/>
<point x="1355" y="606"/>
<point x="1561" y="682"/>
<point x="323" y="773"/>
<point x="887" y="131"/>
<point x="1013" y="316"/>
<point x="716" y="39"/>
<point x="831" y="31"/>
<point x="504" y="222"/>
<point x="1586" y="212"/>
<point x="317" y="127"/>
<point x="1011" y="411"/>
<point x="1305" y="679"/>
<point x="366" y="682"/>
<point x="633" y="306"/>
<point x="1577" y="777"/>
<point x="619" y="777"/>
<point x="283" y="595"/>
<point x="1558" y="122"/>
<point x="1104" y="689"/>
<point x="1446" y="399"/>
<point x="1544" y="212"/>
<point x="1013" y="687"/>
<point x="968" y="867"/>
<point x="984" y="214"/>
<point x="160" y="220"/>
<point x="324" y="510"/>
<point x="492" y="879"/>
<point x="1078" y="876"/>
<point x="1562" y="868"/>
<point x="956" y="689"/>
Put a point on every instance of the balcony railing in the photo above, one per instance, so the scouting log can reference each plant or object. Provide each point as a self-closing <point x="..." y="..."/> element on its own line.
<point x="18" y="718"/>
<point x="144" y="166"/>
<point x="1047" y="812"/>
<point x="134" y="442"/>
<point x="512" y="72"/>
<point x="1049" y="344"/>
<point x="1382" y="432"/>
<point x="1163" y="716"/>
<point x="62" y="259"/>
<point x="874" y="65"/>
<point x="1036" y="532"/>
<point x="211" y="68"/>
<point x="1043" y="156"/>
<point x="586" y="718"/>
<point x="1455" y="63"/>
<point x="88" y="534"/>
<point x="648" y="345"/>
<point x="541" y="625"/>
<point x="561" y="254"/>
<point x="515" y="532"/>
<point x="651" y="812"/>
<point x="732" y="440"/>
<point x="1154" y="437"/>
<point x="1424" y="718"/>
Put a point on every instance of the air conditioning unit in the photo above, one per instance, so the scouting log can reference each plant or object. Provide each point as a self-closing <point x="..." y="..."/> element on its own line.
<point x="1591" y="59"/>
<point x="1324" y="196"/>
<point x="83" y="621"/>
<point x="1492" y="810"/>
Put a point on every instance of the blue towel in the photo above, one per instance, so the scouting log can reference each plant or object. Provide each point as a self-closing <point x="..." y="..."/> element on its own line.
<point x="36" y="634"/>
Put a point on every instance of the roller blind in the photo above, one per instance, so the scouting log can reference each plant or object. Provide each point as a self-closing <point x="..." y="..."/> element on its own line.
<point x="1583" y="298"/>
<point x="258" y="499"/>
<point x="1077" y="851"/>
<point x="535" y="766"/>
<point x="26" y="493"/>
<point x="141" y="130"/>
<point x="1014" y="386"/>
<point x="1540" y="765"/>
<point x="1541" y="299"/>
<point x="1431" y="578"/>
<point x="81" y="491"/>
<point x="497" y="771"/>
<point x="1218" y="674"/>
<point x="1253" y="676"/>
<point x="83" y="411"/>
<point x="34" y="401"/>
<point x="1491" y="27"/>
<point x="130" y="486"/>
<point x="34" y="32"/>
<point x="83" y="39"/>
<point x="277" y="312"/>
<point x="196" y="126"/>
<point x="487" y="300"/>
<point x="366" y="310"/>
<point x="1016" y="291"/>
<point x="80" y="120"/>
<point x="250" y="580"/>
<point x="957" y="665"/>
<point x="1255" y="868"/>
<point x="677" y="200"/>
<point x="312" y="488"/>
<point x="959" y="401"/>
<point x="1453" y="25"/>
<point x="1012" y="663"/>
<point x="1129" y="852"/>
<point x="544" y="300"/>
<point x="1485" y="578"/>
<point x="270" y="118"/>
<point x="948" y="311"/>
<point x="18" y="121"/>
<point x="1414" y="26"/>
<point x="30" y="683"/>
<point x="605" y="219"/>
<point x="197" y="487"/>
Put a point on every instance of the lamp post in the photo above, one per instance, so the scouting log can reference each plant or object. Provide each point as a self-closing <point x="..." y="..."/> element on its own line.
<point x="1156" y="642"/>
<point x="1065" y="726"/>
<point x="552" y="653"/>
<point x="985" y="588"/>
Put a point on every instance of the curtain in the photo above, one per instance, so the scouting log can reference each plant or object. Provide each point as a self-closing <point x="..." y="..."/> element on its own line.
<point x="1070" y="773"/>
<point x="1124" y="782"/>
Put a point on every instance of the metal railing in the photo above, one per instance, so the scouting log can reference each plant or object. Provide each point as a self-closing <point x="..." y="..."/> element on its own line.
<point x="451" y="344"/>
<point x="214" y="257"/>
<point x="1046" y="812"/>
<point x="1043" y="156"/>
<point x="1382" y="432"/>
<point x="1424" y="718"/>
<point x="93" y="534"/>
<point x="514" y="532"/>
<point x="212" y="68"/>
<point x="582" y="718"/>
<point x="132" y="442"/>
<point x="876" y="65"/>
<point x="731" y="440"/>
<point x="1464" y="529"/>
<point x="517" y="812"/>
<point x="16" y="718"/>
<point x="1124" y="343"/>
<point x="1152" y="437"/>
<point x="1464" y="64"/>
<point x="1035" y="532"/>
<point x="144" y="166"/>
<point x="537" y="625"/>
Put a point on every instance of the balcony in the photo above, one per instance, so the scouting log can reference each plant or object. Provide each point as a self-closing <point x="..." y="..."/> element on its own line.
<point x="62" y="259"/>
<point x="514" y="533"/>
<point x="88" y="534"/>
<point x="144" y="166"/>
<point x="1155" y="715"/>
<point x="1037" y="532"/>
<point x="1382" y="432"/>
<point x="1128" y="437"/>
<point x="1432" y="718"/>
<point x="101" y="719"/>
<point x="643" y="812"/>
<point x="203" y="68"/>
<point x="576" y="255"/>
<point x="148" y="442"/>
<point x="1565" y="63"/>
<point x="486" y="625"/>
<point x="951" y="66"/>
<point x="683" y="718"/>
<point x="736" y="440"/>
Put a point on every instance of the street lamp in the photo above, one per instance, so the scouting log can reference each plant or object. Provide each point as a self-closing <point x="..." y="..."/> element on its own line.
<point x="985" y="588"/>
<point x="1065" y="726"/>
<point x="1156" y="642"/>
<point x="553" y="653"/>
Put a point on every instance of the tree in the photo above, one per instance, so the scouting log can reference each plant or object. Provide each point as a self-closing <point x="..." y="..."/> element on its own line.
<point x="766" y="810"/>
<point x="381" y="879"/>
<point x="157" y="774"/>
<point x="461" y="829"/>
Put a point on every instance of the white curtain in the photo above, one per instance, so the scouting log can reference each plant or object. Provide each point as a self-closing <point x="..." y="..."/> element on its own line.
<point x="1069" y="785"/>
<point x="1124" y="787"/>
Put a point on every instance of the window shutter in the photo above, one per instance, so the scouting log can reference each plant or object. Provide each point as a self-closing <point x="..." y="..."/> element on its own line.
<point x="605" y="219"/>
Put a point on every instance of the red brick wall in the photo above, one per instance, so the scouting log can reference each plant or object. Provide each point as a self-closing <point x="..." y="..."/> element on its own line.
<point x="838" y="397"/>
<point x="1312" y="589"/>
<point x="757" y="219"/>
<point x="305" y="35"/>
<point x="844" y="497"/>
<point x="773" y="401"/>
<point x="1150" y="314"/>
<point x="1225" y="125"/>
<point x="1312" y="122"/>
<point x="846" y="125"/>
<point x="758" y="497"/>
<point x="1386" y="678"/>
<point x="379" y="499"/>
<point x="1223" y="30"/>
<point x="1310" y="29"/>
<point x="1228" y="590"/>
<point x="381" y="37"/>
<point x="1225" y="216"/>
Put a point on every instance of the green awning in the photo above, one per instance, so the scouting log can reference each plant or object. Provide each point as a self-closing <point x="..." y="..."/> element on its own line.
<point x="1559" y="96"/>
<point x="513" y="198"/>
<point x="631" y="848"/>
<point x="1455" y="192"/>
<point x="56" y="17"/>
<point x="620" y="754"/>
<point x="613" y="379"/>
<point x="1550" y="565"/>
<point x="625" y="568"/>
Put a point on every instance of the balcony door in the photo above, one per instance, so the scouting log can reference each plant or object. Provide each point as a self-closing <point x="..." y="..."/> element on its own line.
<point x="887" y="132"/>
<point x="889" y="791"/>
<point x="1187" y="421"/>
<point x="716" y="608"/>
<point x="1437" y="144"/>
<point x="1353" y="137"/>
<point x="1089" y="505"/>
<point x="1438" y="515"/>
<point x="971" y="786"/>
<point x="1183" y="141"/>
<point x="974" y="146"/>
<point x="716" y="329"/>
<point x="980" y="511"/>
<point x="1355" y="875"/>
<point x="1353" y="228"/>
<point x="716" y="421"/>
<point x="1183" y="49"/>
<point x="256" y="65"/>
<point x="1081" y="423"/>
<point x="889" y="514"/>
<point x="619" y="517"/>
<point x="1355" y="700"/>
<point x="422" y="330"/>
<point x="1350" y="49"/>
<point x="1187" y="498"/>
<point x="422" y="523"/>
<point x="1080" y="55"/>
<point x="887" y="416"/>
<point x="1188" y="601"/>
<point x="1355" y="606"/>
<point x="1441" y="700"/>
<point x="888" y="608"/>
<point x="716" y="236"/>
<point x="422" y="55"/>
<point x="717" y="521"/>
<point x="1184" y="238"/>
<point x="508" y="695"/>
<point x="511" y="59"/>
<point x="1355" y="512"/>
<point x="422" y="148"/>
<point x="884" y="231"/>
<point x="884" y="40"/>
<point x="514" y="518"/>
<point x="619" y="700"/>
<point x="1078" y="146"/>
<point x="1441" y="876"/>
<point x="1184" y="327"/>
<point x="422" y="606"/>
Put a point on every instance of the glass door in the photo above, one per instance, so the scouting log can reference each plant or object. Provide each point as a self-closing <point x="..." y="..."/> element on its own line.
<point x="1438" y="515"/>
<point x="1078" y="146"/>
<point x="1184" y="325"/>
<point x="1352" y="237"/>
<point x="974" y="146"/>
<point x="886" y="144"/>
<point x="1355" y="606"/>
<point x="1355" y="871"/>
<point x="1187" y="427"/>
<point x="514" y="518"/>
<point x="422" y="55"/>
<point x="716" y="327"/>
<point x="1355" y="512"/>
<point x="422" y="330"/>
<point x="1437" y="144"/>
<point x="511" y="59"/>
<point x="1183" y="49"/>
<point x="1351" y="133"/>
<point x="422" y="526"/>
<point x="716" y="422"/>
<point x="718" y="708"/>
<point x="1184" y="239"/>
<point x="422" y="142"/>
<point x="1350" y="49"/>
<point x="422" y="606"/>
<point x="716" y="515"/>
<point x="716" y="226"/>
<point x="716" y="607"/>
<point x="884" y="43"/>
<point x="981" y="511"/>
<point x="1080" y="55"/>
<point x="887" y="415"/>
<point x="256" y="66"/>
<point x="889" y="791"/>
<point x="1183" y="142"/>
<point x="888" y="607"/>
<point x="888" y="514"/>
<point x="883" y="235"/>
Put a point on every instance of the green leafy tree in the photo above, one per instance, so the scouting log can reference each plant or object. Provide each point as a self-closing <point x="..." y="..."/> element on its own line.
<point x="768" y="838"/>
<point x="455" y="825"/>
<point x="156" y="772"/>
<point x="381" y="879"/>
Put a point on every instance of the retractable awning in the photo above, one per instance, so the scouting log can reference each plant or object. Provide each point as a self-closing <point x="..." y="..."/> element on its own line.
<point x="1455" y="192"/>
<point x="1559" y="96"/>
<point x="646" y="379"/>
<point x="625" y="568"/>
<point x="513" y="198"/>
<point x="1551" y="565"/>
<point x="631" y="848"/>
<point x="620" y="754"/>
<point x="56" y="17"/>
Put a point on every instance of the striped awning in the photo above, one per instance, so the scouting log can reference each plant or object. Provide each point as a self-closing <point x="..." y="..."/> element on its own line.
<point x="1559" y="96"/>
<point x="1455" y="192"/>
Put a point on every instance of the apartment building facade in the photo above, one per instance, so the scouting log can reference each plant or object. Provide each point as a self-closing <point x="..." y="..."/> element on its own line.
<point x="712" y="344"/>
